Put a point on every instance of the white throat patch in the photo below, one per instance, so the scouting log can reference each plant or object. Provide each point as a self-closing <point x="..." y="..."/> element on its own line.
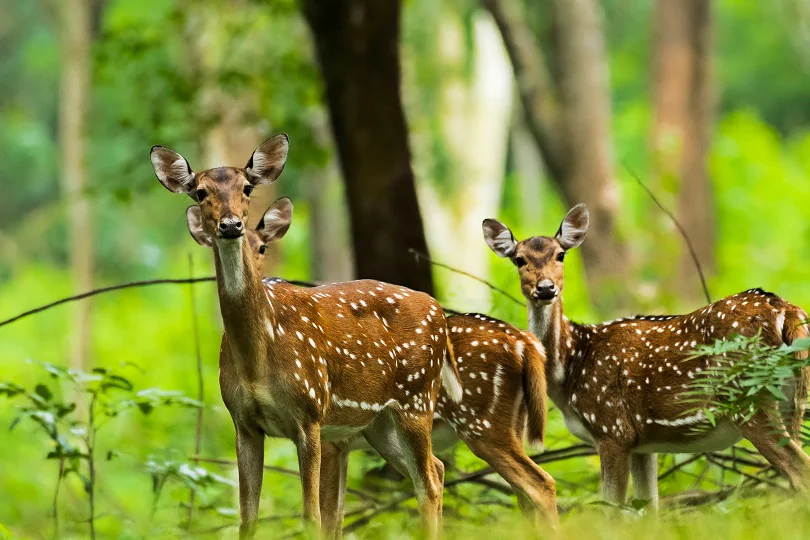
<point x="540" y="320"/>
<point x="540" y="324"/>
<point x="230" y="257"/>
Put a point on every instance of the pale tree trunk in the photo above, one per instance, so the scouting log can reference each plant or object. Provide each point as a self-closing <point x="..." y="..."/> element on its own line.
<point x="570" y="122"/>
<point x="476" y="114"/>
<point x="73" y="107"/>
<point x="681" y="134"/>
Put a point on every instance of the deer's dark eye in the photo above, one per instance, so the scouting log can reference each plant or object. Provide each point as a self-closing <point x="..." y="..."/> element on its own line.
<point x="561" y="256"/>
<point x="520" y="262"/>
<point x="262" y="249"/>
<point x="248" y="190"/>
<point x="200" y="193"/>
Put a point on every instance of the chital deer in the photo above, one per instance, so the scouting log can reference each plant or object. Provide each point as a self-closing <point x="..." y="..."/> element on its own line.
<point x="328" y="363"/>
<point x="503" y="375"/>
<point x="619" y="385"/>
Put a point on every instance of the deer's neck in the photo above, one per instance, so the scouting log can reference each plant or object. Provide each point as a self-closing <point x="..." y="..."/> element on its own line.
<point x="247" y="315"/>
<point x="550" y="325"/>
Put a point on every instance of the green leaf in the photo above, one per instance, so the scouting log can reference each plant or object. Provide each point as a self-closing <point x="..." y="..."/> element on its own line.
<point x="43" y="391"/>
<point x="10" y="389"/>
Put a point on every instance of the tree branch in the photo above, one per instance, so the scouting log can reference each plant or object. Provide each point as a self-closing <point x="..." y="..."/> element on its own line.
<point x="421" y="256"/>
<point x="120" y="286"/>
<point x="678" y="225"/>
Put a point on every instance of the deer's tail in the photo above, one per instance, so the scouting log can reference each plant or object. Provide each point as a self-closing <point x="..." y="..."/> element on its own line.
<point x="534" y="389"/>
<point x="795" y="327"/>
<point x="451" y="379"/>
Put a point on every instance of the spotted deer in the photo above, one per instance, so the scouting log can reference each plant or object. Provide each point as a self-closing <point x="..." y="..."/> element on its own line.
<point x="310" y="365"/>
<point x="503" y="376"/>
<point x="502" y="371"/>
<point x="620" y="385"/>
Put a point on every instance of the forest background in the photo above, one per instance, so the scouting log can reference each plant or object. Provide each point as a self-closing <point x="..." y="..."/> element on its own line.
<point x="409" y="123"/>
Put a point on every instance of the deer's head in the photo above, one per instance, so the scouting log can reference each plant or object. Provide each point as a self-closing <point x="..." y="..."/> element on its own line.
<point x="272" y="227"/>
<point x="222" y="193"/>
<point x="539" y="259"/>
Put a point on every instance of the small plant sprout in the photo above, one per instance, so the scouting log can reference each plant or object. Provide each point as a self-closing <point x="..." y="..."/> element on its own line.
<point x="72" y="437"/>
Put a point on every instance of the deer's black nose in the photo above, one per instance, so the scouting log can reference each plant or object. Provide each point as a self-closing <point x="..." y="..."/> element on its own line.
<point x="231" y="227"/>
<point x="545" y="290"/>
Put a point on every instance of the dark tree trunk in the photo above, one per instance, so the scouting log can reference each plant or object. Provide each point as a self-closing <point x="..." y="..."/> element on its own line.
<point x="357" y="46"/>
<point x="683" y="117"/>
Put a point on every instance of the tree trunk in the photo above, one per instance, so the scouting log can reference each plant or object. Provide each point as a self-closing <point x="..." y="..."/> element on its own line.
<point x="73" y="107"/>
<point x="475" y="115"/>
<point x="584" y="90"/>
<point x="357" y="46"/>
<point x="682" y="129"/>
<point x="571" y="127"/>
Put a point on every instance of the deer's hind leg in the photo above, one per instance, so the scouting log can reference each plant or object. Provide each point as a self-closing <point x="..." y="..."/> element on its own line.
<point x="405" y="443"/>
<point x="534" y="487"/>
<point x="766" y="431"/>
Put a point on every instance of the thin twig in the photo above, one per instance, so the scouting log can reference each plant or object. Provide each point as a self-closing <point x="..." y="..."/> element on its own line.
<point x="680" y="228"/>
<point x="738" y="460"/>
<point x="56" y="497"/>
<point x="677" y="467"/>
<point x="493" y="484"/>
<point x="417" y="255"/>
<point x="696" y="498"/>
<point x="265" y="519"/>
<point x="200" y="388"/>
<point x="751" y="477"/>
<point x="231" y="462"/>
<point x="91" y="462"/>
<point x="281" y="470"/>
<point x="128" y="285"/>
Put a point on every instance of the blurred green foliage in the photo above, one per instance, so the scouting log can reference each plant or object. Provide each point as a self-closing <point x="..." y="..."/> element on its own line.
<point x="148" y="79"/>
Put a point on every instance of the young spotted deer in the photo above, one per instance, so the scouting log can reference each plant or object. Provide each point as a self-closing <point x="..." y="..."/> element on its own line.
<point x="327" y="363"/>
<point x="620" y="385"/>
<point x="503" y="374"/>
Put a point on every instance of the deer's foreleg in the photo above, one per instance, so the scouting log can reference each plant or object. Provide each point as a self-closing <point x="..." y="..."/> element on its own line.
<point x="614" y="462"/>
<point x="309" y="466"/>
<point x="644" y="469"/>
<point x="250" y="462"/>
<point x="334" y="468"/>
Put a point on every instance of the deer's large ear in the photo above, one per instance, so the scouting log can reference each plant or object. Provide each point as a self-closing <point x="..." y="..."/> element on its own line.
<point x="573" y="227"/>
<point x="499" y="238"/>
<point x="194" y="220"/>
<point x="172" y="170"/>
<point x="268" y="160"/>
<point x="276" y="221"/>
